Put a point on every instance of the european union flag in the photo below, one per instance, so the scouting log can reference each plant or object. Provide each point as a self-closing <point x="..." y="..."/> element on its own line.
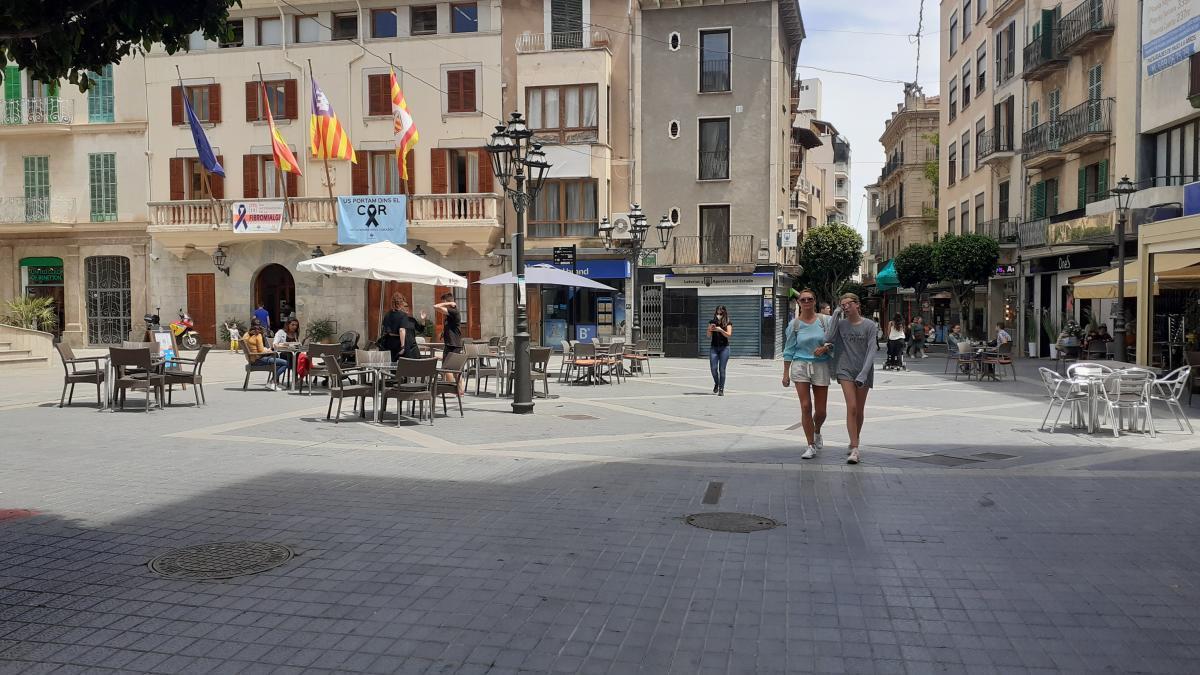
<point x="203" y="149"/>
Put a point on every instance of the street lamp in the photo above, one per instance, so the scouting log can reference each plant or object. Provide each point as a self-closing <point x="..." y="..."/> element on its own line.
<point x="633" y="247"/>
<point x="419" y="252"/>
<point x="1124" y="193"/>
<point x="317" y="253"/>
<point x="521" y="167"/>
<point x="220" y="260"/>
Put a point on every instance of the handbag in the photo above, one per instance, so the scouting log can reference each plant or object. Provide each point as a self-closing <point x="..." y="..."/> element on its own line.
<point x="302" y="364"/>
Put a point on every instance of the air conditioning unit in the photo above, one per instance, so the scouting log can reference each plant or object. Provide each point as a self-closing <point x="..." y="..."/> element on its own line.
<point x="621" y="228"/>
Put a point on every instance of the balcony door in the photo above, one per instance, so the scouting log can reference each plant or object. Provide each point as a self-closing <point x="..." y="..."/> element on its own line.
<point x="566" y="24"/>
<point x="37" y="189"/>
<point x="714" y="235"/>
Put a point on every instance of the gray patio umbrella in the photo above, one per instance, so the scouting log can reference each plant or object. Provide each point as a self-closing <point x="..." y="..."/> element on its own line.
<point x="546" y="276"/>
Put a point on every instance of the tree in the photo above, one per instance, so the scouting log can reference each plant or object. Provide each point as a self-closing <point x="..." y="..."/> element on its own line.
<point x="915" y="269"/>
<point x="965" y="262"/>
<point x="57" y="39"/>
<point x="829" y="255"/>
<point x="854" y="287"/>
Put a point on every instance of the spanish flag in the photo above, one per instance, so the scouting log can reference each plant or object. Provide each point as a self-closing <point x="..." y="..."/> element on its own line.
<point x="403" y="126"/>
<point x="329" y="139"/>
<point x="284" y="159"/>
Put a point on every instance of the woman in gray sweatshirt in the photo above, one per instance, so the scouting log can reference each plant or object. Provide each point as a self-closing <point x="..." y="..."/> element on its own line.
<point x="853" y="339"/>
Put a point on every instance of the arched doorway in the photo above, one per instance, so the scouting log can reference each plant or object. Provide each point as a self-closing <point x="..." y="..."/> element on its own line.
<point x="272" y="287"/>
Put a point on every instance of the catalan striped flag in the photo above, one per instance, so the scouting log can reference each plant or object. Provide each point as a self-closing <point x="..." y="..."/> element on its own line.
<point x="284" y="159"/>
<point x="329" y="139"/>
<point x="403" y="126"/>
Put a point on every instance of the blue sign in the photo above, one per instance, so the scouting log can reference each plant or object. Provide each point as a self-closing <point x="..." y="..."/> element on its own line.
<point x="368" y="219"/>
<point x="1191" y="199"/>
<point x="596" y="269"/>
<point x="584" y="332"/>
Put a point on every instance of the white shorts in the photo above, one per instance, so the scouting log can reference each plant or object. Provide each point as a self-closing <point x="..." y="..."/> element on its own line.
<point x="813" y="372"/>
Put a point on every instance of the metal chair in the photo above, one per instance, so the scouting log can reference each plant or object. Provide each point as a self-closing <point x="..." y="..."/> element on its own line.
<point x="639" y="357"/>
<point x="1127" y="390"/>
<point x="177" y="374"/>
<point x="454" y="365"/>
<point x="416" y="381"/>
<point x="1169" y="390"/>
<point x="1062" y="391"/>
<point x="588" y="361"/>
<point x="1193" y="360"/>
<point x="72" y="375"/>
<point x="539" y="369"/>
<point x="567" y="364"/>
<point x="134" y="369"/>
<point x="998" y="359"/>
<point x="340" y="389"/>
<point x="483" y="365"/>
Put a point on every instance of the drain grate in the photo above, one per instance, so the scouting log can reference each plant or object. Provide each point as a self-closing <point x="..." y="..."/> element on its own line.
<point x="579" y="418"/>
<point x="943" y="460"/>
<point x="993" y="456"/>
<point x="222" y="560"/>
<point x="731" y="522"/>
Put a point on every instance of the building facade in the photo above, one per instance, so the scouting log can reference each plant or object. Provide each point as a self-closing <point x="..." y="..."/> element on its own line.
<point x="73" y="212"/>
<point x="716" y="85"/>
<point x="907" y="198"/>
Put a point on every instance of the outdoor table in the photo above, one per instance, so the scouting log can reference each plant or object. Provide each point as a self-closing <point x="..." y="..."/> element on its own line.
<point x="1089" y="383"/>
<point x="294" y="349"/>
<point x="157" y="363"/>
<point x="378" y="377"/>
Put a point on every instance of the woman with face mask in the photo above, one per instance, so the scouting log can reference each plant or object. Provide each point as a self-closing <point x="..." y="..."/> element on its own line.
<point x="719" y="332"/>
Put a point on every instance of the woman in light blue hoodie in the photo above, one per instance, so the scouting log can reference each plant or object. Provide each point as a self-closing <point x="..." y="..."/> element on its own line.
<point x="807" y="370"/>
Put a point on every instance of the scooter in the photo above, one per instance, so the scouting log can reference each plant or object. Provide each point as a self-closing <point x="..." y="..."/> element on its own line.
<point x="185" y="334"/>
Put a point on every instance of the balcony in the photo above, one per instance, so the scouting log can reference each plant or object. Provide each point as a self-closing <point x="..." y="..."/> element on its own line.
<point x="736" y="249"/>
<point x="798" y="200"/>
<point x="1087" y="126"/>
<point x="38" y="114"/>
<point x="1042" y="145"/>
<point x="1003" y="230"/>
<point x="841" y="194"/>
<point x="15" y="210"/>
<point x="1085" y="26"/>
<point x="441" y="220"/>
<point x="995" y="146"/>
<point x="1071" y="227"/>
<point x="797" y="159"/>
<point x="593" y="38"/>
<point x="888" y="216"/>
<point x="891" y="167"/>
<point x="1042" y="56"/>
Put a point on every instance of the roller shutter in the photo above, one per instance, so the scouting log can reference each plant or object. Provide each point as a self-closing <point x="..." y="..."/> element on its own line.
<point x="745" y="315"/>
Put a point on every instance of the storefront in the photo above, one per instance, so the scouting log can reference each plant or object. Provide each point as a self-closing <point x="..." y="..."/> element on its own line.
<point x="1049" y="297"/>
<point x="690" y="301"/>
<point x="558" y="313"/>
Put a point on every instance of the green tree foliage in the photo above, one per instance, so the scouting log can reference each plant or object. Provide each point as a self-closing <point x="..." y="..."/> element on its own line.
<point x="57" y="39"/>
<point x="965" y="262"/>
<point x="33" y="313"/>
<point x="856" y="288"/>
<point x="829" y="256"/>
<point x="914" y="268"/>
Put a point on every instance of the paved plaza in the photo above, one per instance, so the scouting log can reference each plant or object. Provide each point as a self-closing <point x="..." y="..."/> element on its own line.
<point x="967" y="541"/>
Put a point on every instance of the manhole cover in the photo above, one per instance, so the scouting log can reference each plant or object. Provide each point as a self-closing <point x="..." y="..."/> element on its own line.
<point x="578" y="417"/>
<point x="943" y="460"/>
<point x="993" y="456"/>
<point x="731" y="522"/>
<point x="220" y="561"/>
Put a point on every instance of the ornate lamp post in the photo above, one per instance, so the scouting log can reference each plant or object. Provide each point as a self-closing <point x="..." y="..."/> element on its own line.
<point x="521" y="167"/>
<point x="633" y="248"/>
<point x="1124" y="193"/>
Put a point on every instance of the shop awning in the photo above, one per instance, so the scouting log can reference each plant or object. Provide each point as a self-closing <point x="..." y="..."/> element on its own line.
<point x="1187" y="277"/>
<point x="1104" y="285"/>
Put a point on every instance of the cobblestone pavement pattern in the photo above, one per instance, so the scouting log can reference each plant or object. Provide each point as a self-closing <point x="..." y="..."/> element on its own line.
<point x="557" y="543"/>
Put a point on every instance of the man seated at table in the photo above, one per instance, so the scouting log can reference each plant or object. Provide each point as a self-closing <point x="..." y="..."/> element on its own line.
<point x="1097" y="339"/>
<point x="1002" y="336"/>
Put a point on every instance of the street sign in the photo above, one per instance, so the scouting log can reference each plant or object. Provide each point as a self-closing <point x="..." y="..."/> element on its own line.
<point x="564" y="255"/>
<point x="788" y="238"/>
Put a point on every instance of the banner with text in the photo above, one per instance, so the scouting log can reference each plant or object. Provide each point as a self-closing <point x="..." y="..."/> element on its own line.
<point x="367" y="219"/>
<point x="256" y="217"/>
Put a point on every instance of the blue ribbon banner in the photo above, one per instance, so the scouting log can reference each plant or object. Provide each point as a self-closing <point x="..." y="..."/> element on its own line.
<point x="367" y="219"/>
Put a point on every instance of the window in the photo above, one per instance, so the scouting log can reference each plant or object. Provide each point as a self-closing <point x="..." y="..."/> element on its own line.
<point x="280" y="94"/>
<point x="383" y="23"/>
<point x="270" y="31"/>
<point x="307" y="29"/>
<point x="383" y="175"/>
<point x="673" y="215"/>
<point x="345" y="26"/>
<point x="966" y="84"/>
<point x="714" y="61"/>
<point x="187" y="180"/>
<point x="981" y="68"/>
<point x="714" y="149"/>
<point x="424" y="20"/>
<point x="1034" y="114"/>
<point x="1010" y="51"/>
<point x="953" y="99"/>
<point x="714" y="235"/>
<point x="1096" y="82"/>
<point x="950" y="220"/>
<point x="37" y="188"/>
<point x="100" y="96"/>
<point x="1002" y="200"/>
<point x="460" y="91"/>
<point x="954" y="33"/>
<point x="236" y="34"/>
<point x="966" y="24"/>
<point x="964" y="212"/>
<point x="205" y="100"/>
<point x="566" y="24"/>
<point x="952" y="164"/>
<point x="565" y="208"/>
<point x="980" y="9"/>
<point x="673" y="42"/>
<point x="1176" y="155"/>
<point x="673" y="129"/>
<point x="102" y="177"/>
<point x="464" y="17"/>
<point x="379" y="95"/>
<point x="980" y="130"/>
<point x="978" y="212"/>
<point x="966" y="154"/>
<point x="567" y="114"/>
<point x="268" y="177"/>
<point x="1093" y="183"/>
<point x="1053" y="100"/>
<point x="109" y="298"/>
<point x="197" y="42"/>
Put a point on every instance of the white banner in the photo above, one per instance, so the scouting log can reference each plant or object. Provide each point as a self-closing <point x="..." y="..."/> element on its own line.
<point x="256" y="217"/>
<point x="1169" y="33"/>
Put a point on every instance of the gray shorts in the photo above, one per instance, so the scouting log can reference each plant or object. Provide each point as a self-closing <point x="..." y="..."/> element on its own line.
<point x="815" y="373"/>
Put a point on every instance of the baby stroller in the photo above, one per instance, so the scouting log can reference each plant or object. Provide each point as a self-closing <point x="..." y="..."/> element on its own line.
<point x="895" y="356"/>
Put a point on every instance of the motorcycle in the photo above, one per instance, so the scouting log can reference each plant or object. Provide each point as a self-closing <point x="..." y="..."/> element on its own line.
<point x="184" y="331"/>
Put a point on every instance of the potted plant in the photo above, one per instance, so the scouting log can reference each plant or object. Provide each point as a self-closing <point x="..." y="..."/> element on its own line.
<point x="34" y="313"/>
<point x="1050" y="330"/>
<point x="1071" y="335"/>
<point x="320" y="331"/>
<point x="1031" y="333"/>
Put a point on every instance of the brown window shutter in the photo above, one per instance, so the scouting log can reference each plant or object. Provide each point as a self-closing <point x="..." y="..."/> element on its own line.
<point x="411" y="161"/>
<point x="251" y="101"/>
<point x="358" y="174"/>
<point x="439" y="177"/>
<point x="178" y="167"/>
<point x="468" y="91"/>
<point x="214" y="103"/>
<point x="377" y="86"/>
<point x="454" y="91"/>
<point x="293" y="183"/>
<point x="217" y="183"/>
<point x="289" y="100"/>
<point x="249" y="176"/>
<point x="485" y="170"/>
<point x="177" y="115"/>
<point x="473" y="305"/>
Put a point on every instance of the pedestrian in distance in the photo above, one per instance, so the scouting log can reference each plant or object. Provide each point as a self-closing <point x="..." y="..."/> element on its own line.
<point x="851" y="337"/>
<point x="895" y="344"/>
<point x="719" y="331"/>
<point x="264" y="317"/>
<point x="826" y="309"/>
<point x="806" y="370"/>
<point x="917" y="330"/>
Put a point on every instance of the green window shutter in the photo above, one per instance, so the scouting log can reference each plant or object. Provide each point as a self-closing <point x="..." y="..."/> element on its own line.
<point x="102" y="175"/>
<point x="100" y="96"/>
<point x="12" y="83"/>
<point x="1082" y="187"/>
<point x="1037" y="201"/>
<point x="1102" y="180"/>
<point x="1049" y="21"/>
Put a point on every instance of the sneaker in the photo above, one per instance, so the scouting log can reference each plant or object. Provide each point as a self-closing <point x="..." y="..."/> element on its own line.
<point x="721" y="392"/>
<point x="809" y="453"/>
<point x="818" y="442"/>
<point x="271" y="386"/>
<point x="716" y="388"/>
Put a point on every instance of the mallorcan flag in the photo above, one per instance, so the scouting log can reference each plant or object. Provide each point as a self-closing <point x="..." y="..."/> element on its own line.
<point x="329" y="139"/>
<point x="403" y="126"/>
<point x="284" y="159"/>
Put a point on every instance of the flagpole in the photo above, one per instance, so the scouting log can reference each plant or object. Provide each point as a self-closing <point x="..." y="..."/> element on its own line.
<point x="217" y="220"/>
<point x="324" y="149"/>
<point x="262" y="88"/>
<point x="399" y="156"/>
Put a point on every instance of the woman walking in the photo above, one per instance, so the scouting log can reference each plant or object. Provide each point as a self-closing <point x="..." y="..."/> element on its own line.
<point x="895" y="344"/>
<point x="808" y="371"/>
<point x="852" y="337"/>
<point x="719" y="332"/>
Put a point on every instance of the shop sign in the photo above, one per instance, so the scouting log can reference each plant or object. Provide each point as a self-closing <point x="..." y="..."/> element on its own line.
<point x="789" y="238"/>
<point x="598" y="269"/>
<point x="1006" y="270"/>
<point x="1169" y="32"/>
<point x="1073" y="261"/>
<point x="367" y="219"/>
<point x="756" y="280"/>
<point x="44" y="276"/>
<point x="256" y="217"/>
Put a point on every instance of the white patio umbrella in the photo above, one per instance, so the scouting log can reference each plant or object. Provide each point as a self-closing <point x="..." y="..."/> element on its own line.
<point x="546" y="275"/>
<point x="383" y="261"/>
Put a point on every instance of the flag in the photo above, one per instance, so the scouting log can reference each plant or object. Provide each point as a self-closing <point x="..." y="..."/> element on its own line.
<point x="284" y="159"/>
<point x="329" y="139"/>
<point x="203" y="149"/>
<point x="403" y="126"/>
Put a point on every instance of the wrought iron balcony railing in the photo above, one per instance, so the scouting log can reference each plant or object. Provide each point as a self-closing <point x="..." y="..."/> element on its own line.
<point x="49" y="110"/>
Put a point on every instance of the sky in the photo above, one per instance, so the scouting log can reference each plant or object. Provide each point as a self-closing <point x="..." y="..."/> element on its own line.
<point x="859" y="107"/>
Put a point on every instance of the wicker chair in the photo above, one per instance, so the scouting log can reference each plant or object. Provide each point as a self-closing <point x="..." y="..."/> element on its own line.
<point x="483" y="365"/>
<point x="998" y="359"/>
<point x="178" y="374"/>
<point x="568" y="361"/>
<point x="639" y="357"/>
<point x="416" y="380"/>
<point x="454" y="365"/>
<point x="72" y="375"/>
<point x="319" y="357"/>
<point x="539" y="369"/>
<point x="134" y="369"/>
<point x="251" y="367"/>
<point x="340" y="388"/>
